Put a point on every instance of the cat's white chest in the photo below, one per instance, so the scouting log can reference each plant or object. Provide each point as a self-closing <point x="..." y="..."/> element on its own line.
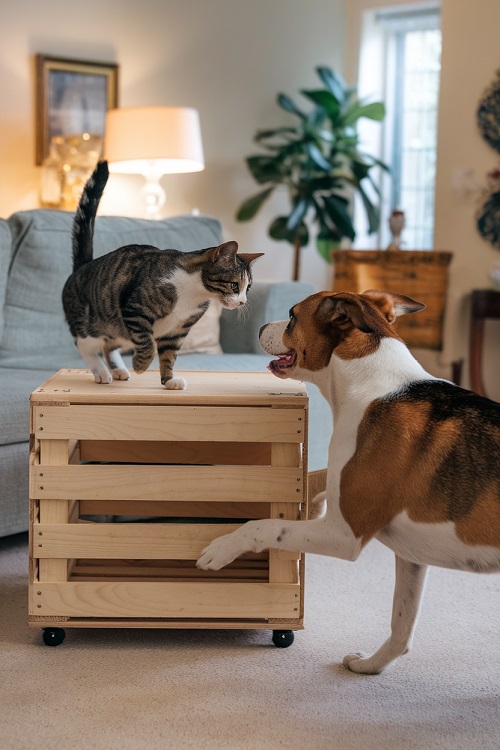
<point x="190" y="295"/>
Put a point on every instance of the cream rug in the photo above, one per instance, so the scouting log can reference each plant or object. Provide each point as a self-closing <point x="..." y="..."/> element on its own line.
<point x="133" y="689"/>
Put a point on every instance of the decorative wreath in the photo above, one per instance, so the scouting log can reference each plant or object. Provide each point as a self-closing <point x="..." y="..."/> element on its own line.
<point x="488" y="219"/>
<point x="488" y="114"/>
<point x="488" y="120"/>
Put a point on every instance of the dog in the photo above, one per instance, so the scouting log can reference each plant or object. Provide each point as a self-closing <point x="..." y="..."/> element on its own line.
<point x="413" y="460"/>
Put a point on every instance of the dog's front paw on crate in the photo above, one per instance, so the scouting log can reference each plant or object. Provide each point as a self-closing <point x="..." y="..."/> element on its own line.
<point x="219" y="553"/>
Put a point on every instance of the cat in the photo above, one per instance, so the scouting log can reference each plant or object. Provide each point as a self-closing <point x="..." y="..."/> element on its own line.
<point x="142" y="298"/>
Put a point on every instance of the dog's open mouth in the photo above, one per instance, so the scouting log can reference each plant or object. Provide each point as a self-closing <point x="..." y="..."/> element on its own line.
<point x="285" y="362"/>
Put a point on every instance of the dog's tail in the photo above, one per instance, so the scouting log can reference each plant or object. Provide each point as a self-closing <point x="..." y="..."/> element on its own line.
<point x="83" y="224"/>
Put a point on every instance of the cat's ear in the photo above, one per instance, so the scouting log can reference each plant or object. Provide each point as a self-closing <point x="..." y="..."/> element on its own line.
<point x="225" y="252"/>
<point x="249" y="257"/>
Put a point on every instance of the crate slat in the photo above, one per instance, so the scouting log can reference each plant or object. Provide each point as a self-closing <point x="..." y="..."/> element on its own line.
<point x="143" y="599"/>
<point x="195" y="483"/>
<point x="133" y="540"/>
<point x="52" y="509"/>
<point x="169" y="624"/>
<point x="209" y="424"/>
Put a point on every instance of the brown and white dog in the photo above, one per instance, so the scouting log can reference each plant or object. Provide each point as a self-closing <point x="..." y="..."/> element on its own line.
<point x="414" y="461"/>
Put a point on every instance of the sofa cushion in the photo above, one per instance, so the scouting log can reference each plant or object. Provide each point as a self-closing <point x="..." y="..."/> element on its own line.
<point x="5" y="249"/>
<point x="204" y="336"/>
<point x="41" y="240"/>
<point x="16" y="387"/>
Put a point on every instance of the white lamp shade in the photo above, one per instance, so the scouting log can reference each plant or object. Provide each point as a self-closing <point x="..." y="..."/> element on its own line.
<point x="165" y="140"/>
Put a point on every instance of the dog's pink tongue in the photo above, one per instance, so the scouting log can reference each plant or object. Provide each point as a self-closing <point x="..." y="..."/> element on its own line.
<point x="283" y="359"/>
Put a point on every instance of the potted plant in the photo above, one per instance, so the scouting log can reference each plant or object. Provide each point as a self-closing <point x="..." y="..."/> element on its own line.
<point x="319" y="162"/>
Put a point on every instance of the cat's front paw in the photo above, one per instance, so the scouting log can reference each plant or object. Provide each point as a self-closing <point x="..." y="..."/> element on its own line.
<point x="120" y="374"/>
<point x="103" y="378"/>
<point x="175" y="384"/>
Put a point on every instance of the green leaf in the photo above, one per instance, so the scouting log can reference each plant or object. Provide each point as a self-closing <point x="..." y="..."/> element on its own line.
<point x="314" y="119"/>
<point x="264" y="134"/>
<point x="326" y="182"/>
<point x="333" y="82"/>
<point x="298" y="213"/>
<point x="318" y="157"/>
<point x="325" y="246"/>
<point x="278" y="231"/>
<point x="336" y="209"/>
<point x="325" y="100"/>
<point x="325" y="135"/>
<point x="286" y="103"/>
<point x="375" y="161"/>
<point x="373" y="111"/>
<point x="373" y="184"/>
<point x="372" y="212"/>
<point x="360" y="169"/>
<point x="249" y="208"/>
<point x="265" y="168"/>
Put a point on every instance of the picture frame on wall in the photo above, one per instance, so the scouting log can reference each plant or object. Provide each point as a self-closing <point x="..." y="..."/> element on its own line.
<point x="72" y="97"/>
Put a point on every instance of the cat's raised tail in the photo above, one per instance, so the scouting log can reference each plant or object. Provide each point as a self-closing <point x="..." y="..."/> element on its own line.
<point x="83" y="224"/>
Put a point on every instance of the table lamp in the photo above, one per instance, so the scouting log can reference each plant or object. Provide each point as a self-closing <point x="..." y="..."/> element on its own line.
<point x="153" y="141"/>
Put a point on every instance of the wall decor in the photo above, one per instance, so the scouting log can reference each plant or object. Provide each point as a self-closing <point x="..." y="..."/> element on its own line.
<point x="72" y="97"/>
<point x="488" y="114"/>
<point x="488" y="214"/>
<point x="488" y="121"/>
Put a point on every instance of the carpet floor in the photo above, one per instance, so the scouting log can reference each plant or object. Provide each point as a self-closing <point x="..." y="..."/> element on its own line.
<point x="152" y="689"/>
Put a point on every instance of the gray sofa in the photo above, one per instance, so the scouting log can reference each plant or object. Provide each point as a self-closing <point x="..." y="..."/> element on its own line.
<point x="35" y="260"/>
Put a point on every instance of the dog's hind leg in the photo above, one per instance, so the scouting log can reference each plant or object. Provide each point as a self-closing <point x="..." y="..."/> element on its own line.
<point x="408" y="592"/>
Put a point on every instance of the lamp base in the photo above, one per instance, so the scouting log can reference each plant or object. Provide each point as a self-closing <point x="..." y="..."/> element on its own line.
<point x="153" y="196"/>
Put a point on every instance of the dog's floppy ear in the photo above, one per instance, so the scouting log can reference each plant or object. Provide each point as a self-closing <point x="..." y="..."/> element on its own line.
<point x="392" y="305"/>
<point x="345" y="311"/>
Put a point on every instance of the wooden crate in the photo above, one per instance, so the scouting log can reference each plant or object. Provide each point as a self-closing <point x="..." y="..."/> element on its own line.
<point x="129" y="482"/>
<point x="419" y="274"/>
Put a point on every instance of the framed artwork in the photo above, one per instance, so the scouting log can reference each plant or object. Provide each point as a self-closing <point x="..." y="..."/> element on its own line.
<point x="72" y="97"/>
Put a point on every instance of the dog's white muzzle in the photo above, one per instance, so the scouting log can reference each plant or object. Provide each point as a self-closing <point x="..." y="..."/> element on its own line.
<point x="271" y="340"/>
<point x="271" y="337"/>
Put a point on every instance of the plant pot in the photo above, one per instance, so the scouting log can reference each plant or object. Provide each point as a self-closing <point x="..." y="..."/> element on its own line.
<point x="420" y="274"/>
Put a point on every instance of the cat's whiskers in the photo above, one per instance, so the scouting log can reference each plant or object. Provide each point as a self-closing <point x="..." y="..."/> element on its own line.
<point x="243" y="313"/>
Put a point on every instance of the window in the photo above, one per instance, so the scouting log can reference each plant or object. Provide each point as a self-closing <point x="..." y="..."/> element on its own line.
<point x="409" y="43"/>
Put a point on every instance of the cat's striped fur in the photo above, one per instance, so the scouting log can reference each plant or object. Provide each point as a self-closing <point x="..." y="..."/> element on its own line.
<point x="142" y="298"/>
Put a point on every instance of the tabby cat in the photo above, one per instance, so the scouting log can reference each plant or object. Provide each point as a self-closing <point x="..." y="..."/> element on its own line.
<point x="142" y="298"/>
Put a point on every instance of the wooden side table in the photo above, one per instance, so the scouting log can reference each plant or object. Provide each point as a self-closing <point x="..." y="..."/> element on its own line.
<point x="485" y="304"/>
<point x="231" y="447"/>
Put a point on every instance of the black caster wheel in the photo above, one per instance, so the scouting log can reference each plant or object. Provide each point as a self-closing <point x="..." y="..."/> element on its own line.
<point x="283" y="638"/>
<point x="53" y="636"/>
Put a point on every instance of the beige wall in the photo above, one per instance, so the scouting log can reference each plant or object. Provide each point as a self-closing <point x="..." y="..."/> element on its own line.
<point x="227" y="58"/>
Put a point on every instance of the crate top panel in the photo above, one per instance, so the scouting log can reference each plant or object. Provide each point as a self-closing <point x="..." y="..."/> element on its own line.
<point x="204" y="387"/>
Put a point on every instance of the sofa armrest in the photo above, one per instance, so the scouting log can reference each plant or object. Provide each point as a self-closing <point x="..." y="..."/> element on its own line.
<point x="267" y="301"/>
